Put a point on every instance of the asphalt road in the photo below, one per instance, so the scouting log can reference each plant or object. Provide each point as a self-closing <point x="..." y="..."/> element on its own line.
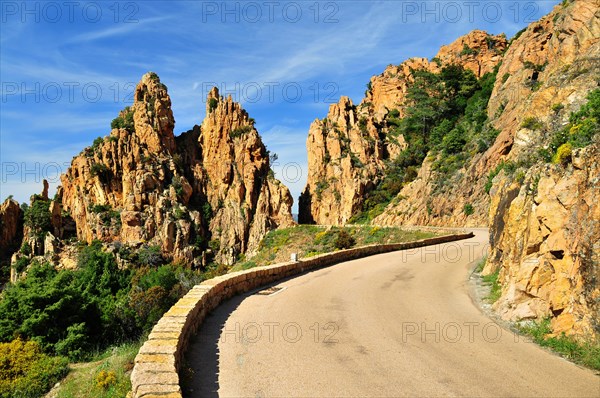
<point x="392" y="325"/>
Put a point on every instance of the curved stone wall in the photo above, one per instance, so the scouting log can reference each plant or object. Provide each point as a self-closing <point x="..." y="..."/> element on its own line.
<point x="155" y="374"/>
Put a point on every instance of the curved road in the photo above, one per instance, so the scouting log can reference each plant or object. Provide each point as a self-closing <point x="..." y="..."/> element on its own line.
<point x="391" y="325"/>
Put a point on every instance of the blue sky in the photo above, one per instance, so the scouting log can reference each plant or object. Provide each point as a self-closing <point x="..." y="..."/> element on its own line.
<point x="67" y="68"/>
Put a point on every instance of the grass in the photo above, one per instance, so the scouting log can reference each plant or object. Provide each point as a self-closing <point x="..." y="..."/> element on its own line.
<point x="86" y="379"/>
<point x="583" y="353"/>
<point x="310" y="240"/>
<point x="491" y="280"/>
<point x="496" y="288"/>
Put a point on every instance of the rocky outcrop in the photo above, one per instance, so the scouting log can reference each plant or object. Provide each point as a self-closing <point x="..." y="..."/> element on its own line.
<point x="546" y="244"/>
<point x="477" y="51"/>
<point x="553" y="62"/>
<point x="210" y="188"/>
<point x="345" y="158"/>
<point x="348" y="150"/>
<point x="246" y="200"/>
<point x="545" y="229"/>
<point x="11" y="230"/>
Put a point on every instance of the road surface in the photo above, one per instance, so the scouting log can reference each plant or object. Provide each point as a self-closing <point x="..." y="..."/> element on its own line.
<point x="392" y="325"/>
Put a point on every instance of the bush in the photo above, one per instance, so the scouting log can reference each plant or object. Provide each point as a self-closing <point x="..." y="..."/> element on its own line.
<point x="21" y="264"/>
<point x="96" y="209"/>
<point x="98" y="169"/>
<point x="240" y="131"/>
<point x="583" y="352"/>
<point x="25" y="249"/>
<point x="38" y="218"/>
<point x="454" y="141"/>
<point x="97" y="142"/>
<point x="495" y="287"/>
<point x="212" y="104"/>
<point x="105" y="379"/>
<point x="26" y="372"/>
<point x="344" y="240"/>
<point x="532" y="123"/>
<point x="468" y="209"/>
<point x="124" y="120"/>
<point x="467" y="50"/>
<point x="150" y="256"/>
<point x="177" y="185"/>
<point x="563" y="154"/>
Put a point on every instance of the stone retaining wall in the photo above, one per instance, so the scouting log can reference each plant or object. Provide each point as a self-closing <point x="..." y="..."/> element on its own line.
<point x="155" y="374"/>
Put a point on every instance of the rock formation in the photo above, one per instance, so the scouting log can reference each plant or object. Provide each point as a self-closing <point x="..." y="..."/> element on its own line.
<point x="210" y="187"/>
<point x="554" y="61"/>
<point x="348" y="149"/>
<point x="545" y="241"/>
<point x="11" y="231"/>
<point x="545" y="229"/>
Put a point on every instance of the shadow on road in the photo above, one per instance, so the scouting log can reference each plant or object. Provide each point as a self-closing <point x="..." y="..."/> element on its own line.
<point x="200" y="372"/>
<point x="199" y="375"/>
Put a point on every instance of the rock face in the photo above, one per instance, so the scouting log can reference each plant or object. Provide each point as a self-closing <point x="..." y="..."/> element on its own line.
<point x="554" y="61"/>
<point x="143" y="185"/>
<point x="546" y="243"/>
<point x="348" y="149"/>
<point x="545" y="230"/>
<point x="11" y="230"/>
<point x="345" y="156"/>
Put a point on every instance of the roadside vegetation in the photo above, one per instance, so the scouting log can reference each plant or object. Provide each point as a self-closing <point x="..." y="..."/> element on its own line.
<point x="55" y="316"/>
<point x="311" y="240"/>
<point x="586" y="353"/>
<point x="583" y="353"/>
<point x="107" y="375"/>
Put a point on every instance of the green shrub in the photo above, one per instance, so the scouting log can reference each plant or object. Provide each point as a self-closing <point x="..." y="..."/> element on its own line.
<point x="212" y="104"/>
<point x="21" y="264"/>
<point x="97" y="143"/>
<point x="532" y="123"/>
<point x="517" y="35"/>
<point x="495" y="287"/>
<point x="177" y="185"/>
<point x="535" y="67"/>
<point x="492" y="175"/>
<point x="468" y="209"/>
<point x="96" y="209"/>
<point x="38" y="217"/>
<point x="454" y="141"/>
<point x="240" y="131"/>
<point x="179" y="213"/>
<point x="466" y="50"/>
<point x="557" y="107"/>
<point x="150" y="256"/>
<point x="586" y="353"/>
<point x="99" y="169"/>
<point x="344" y="240"/>
<point x="25" y="249"/>
<point x="207" y="212"/>
<point x="124" y="120"/>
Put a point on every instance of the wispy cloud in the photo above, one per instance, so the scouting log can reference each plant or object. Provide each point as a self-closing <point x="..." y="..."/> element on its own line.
<point x="119" y="30"/>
